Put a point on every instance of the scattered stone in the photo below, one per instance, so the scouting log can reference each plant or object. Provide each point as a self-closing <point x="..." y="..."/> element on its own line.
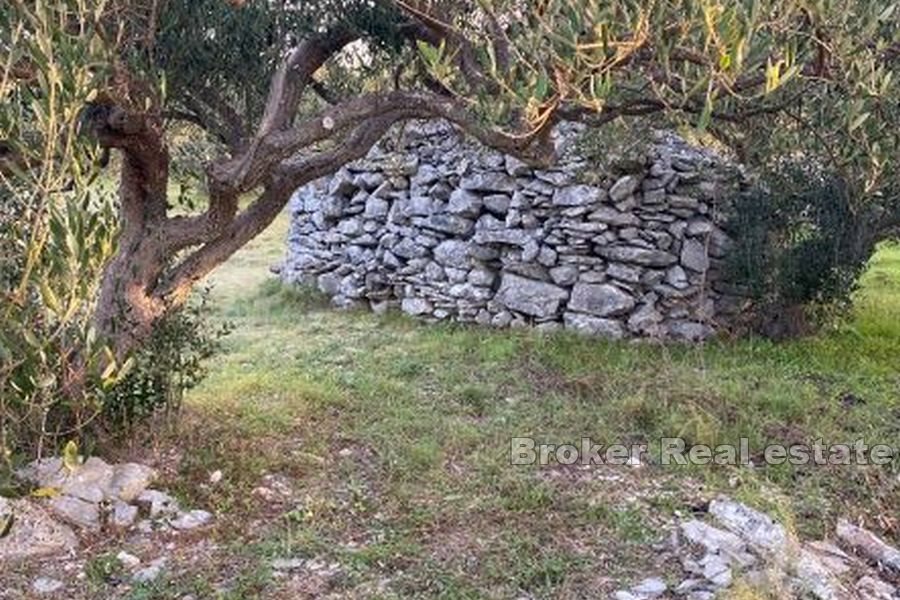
<point x="129" y="480"/>
<point x="158" y="503"/>
<point x="75" y="511"/>
<point x="288" y="564"/>
<point x="869" y="545"/>
<point x="128" y="560"/>
<point x="191" y="520"/>
<point x="151" y="572"/>
<point x="652" y="587"/>
<point x="123" y="515"/>
<point x="46" y="585"/>
<point x="717" y="541"/>
<point x="33" y="533"/>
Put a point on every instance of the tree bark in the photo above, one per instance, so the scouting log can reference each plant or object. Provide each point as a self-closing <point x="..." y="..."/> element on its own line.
<point x="127" y="309"/>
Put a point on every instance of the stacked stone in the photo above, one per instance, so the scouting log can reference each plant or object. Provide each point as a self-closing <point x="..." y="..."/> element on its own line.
<point x="446" y="229"/>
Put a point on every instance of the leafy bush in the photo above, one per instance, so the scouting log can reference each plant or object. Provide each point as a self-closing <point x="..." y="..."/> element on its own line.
<point x="171" y="362"/>
<point x="801" y="246"/>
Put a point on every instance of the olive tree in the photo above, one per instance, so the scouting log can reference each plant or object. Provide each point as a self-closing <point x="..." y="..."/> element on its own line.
<point x="271" y="84"/>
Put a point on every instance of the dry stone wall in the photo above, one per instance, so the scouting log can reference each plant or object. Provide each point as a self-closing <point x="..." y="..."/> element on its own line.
<point x="444" y="229"/>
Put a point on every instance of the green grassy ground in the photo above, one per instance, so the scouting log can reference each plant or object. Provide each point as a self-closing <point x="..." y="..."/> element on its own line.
<point x="394" y="438"/>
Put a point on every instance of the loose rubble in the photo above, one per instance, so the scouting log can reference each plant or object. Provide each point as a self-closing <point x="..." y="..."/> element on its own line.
<point x="92" y="497"/>
<point x="749" y="545"/>
<point x="444" y="229"/>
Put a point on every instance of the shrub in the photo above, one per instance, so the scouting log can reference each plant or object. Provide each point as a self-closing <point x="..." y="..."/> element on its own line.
<point x="170" y="363"/>
<point x="801" y="246"/>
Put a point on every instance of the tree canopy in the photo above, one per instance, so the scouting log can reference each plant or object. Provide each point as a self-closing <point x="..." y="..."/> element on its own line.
<point x="289" y="91"/>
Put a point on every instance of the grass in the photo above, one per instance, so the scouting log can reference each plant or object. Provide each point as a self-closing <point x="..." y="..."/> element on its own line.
<point x="393" y="438"/>
<point x="396" y="435"/>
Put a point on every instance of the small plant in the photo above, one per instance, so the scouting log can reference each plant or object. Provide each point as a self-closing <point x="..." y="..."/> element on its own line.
<point x="171" y="362"/>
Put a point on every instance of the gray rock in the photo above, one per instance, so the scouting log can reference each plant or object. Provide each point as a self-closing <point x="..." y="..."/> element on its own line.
<point x="451" y="224"/>
<point x="534" y="298"/>
<point x="151" y="572"/>
<point x="128" y="560"/>
<point x="123" y="515"/>
<point x="698" y="226"/>
<point x="652" y="587"/>
<point x="419" y="206"/>
<point x="75" y="511"/>
<point x="497" y="203"/>
<point x="684" y="202"/>
<point x="693" y="255"/>
<point x="716" y="570"/>
<point x="33" y="534"/>
<point x="158" y="503"/>
<point x="756" y="528"/>
<point x="718" y="541"/>
<point x="376" y="208"/>
<point x="502" y="319"/>
<point x="409" y="249"/>
<point x="516" y="167"/>
<point x="869" y="545"/>
<point x="638" y="255"/>
<point x="454" y="253"/>
<point x="129" y="480"/>
<point x="578" y="195"/>
<point x="89" y="481"/>
<point x="645" y="320"/>
<point x="512" y="237"/>
<point x="489" y="182"/>
<point x="625" y="273"/>
<point x="368" y="180"/>
<point x="482" y="277"/>
<point x="416" y="306"/>
<point x="677" y="278"/>
<point x="603" y="300"/>
<point x="341" y="184"/>
<point x="565" y="275"/>
<point x="464" y="203"/>
<point x="690" y="331"/>
<point x="581" y="323"/>
<point x="624" y="187"/>
<point x="46" y="585"/>
<point x="191" y="520"/>
<point x="611" y="216"/>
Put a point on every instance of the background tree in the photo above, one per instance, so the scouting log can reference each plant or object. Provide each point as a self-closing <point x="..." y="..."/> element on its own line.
<point x="771" y="78"/>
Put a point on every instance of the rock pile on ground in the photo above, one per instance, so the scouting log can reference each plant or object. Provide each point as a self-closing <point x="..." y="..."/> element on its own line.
<point x="91" y="497"/>
<point x="448" y="230"/>
<point x="745" y="544"/>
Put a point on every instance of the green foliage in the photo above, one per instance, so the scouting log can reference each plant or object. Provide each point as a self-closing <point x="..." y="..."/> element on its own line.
<point x="207" y="50"/>
<point x="801" y="246"/>
<point x="172" y="361"/>
<point x="52" y="366"/>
